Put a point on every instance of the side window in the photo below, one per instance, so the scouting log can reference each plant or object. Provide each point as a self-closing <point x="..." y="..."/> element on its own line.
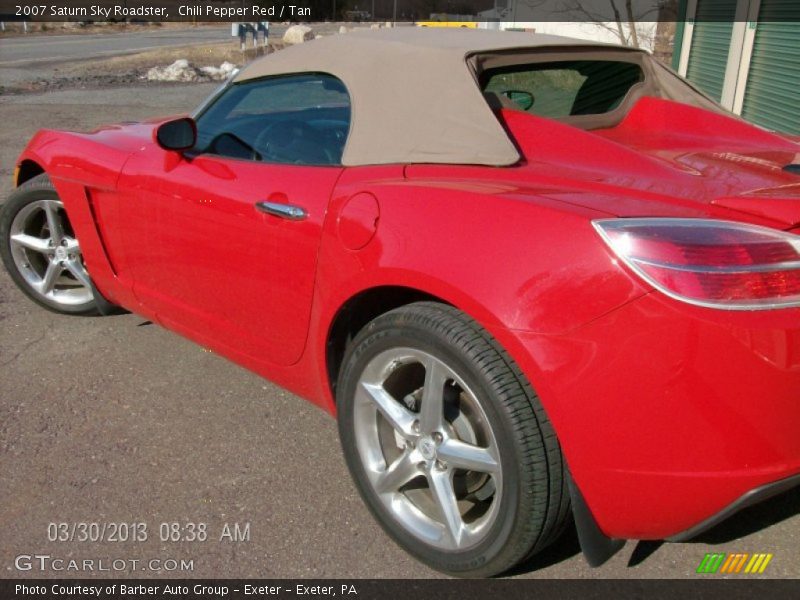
<point x="564" y="89"/>
<point x="289" y="119"/>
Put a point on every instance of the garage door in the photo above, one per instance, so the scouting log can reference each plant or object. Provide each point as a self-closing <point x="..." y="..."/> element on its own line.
<point x="772" y="95"/>
<point x="711" y="42"/>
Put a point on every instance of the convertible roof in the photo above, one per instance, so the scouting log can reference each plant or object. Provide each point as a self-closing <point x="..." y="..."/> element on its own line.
<point x="414" y="98"/>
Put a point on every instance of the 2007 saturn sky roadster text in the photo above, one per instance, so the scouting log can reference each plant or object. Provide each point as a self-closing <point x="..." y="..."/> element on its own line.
<point x="533" y="277"/>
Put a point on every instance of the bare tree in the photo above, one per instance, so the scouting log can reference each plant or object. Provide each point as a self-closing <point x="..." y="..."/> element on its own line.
<point x="632" y="23"/>
<point x="611" y="17"/>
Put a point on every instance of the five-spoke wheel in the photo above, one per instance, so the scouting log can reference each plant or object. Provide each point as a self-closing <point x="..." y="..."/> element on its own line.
<point x="438" y="474"/>
<point x="41" y="252"/>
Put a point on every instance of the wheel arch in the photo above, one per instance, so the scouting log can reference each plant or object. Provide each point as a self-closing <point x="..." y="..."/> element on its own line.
<point x="356" y="312"/>
<point x="26" y="170"/>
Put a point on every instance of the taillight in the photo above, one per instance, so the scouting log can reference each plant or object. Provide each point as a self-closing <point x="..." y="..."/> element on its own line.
<point x="718" y="264"/>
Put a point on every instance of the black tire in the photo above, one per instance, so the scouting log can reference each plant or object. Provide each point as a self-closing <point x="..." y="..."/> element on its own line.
<point x="38" y="188"/>
<point x="534" y="505"/>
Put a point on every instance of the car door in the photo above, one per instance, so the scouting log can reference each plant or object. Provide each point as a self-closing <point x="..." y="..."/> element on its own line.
<point x="223" y="240"/>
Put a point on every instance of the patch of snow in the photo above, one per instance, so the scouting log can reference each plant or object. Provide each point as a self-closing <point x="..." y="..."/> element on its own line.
<point x="182" y="70"/>
<point x="219" y="73"/>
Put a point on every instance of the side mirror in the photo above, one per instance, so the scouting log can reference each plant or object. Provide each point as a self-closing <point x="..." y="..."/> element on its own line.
<point x="177" y="135"/>
<point x="523" y="99"/>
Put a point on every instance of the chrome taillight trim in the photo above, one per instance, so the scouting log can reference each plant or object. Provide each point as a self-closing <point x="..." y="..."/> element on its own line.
<point x="767" y="268"/>
<point x="734" y="305"/>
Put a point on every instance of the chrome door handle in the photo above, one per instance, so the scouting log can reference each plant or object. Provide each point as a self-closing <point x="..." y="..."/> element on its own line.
<point x="284" y="211"/>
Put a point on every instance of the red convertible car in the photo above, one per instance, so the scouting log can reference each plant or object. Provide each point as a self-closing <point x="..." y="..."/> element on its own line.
<point x="535" y="278"/>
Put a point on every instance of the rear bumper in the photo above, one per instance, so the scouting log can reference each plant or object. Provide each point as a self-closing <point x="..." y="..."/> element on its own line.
<point x="750" y="498"/>
<point x="672" y="417"/>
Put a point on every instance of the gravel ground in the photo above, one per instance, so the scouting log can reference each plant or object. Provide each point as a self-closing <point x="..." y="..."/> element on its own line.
<point x="119" y="71"/>
<point x="115" y="420"/>
<point x="47" y="62"/>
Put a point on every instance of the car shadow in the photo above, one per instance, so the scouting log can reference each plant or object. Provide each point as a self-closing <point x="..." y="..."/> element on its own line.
<point x="753" y="519"/>
<point x="746" y="522"/>
<point x="643" y="550"/>
<point x="565" y="547"/>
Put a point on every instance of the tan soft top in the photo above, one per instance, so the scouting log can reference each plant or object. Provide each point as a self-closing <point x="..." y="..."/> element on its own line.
<point x="414" y="98"/>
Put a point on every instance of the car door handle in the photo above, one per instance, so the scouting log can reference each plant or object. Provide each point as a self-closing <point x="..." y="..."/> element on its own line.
<point x="284" y="211"/>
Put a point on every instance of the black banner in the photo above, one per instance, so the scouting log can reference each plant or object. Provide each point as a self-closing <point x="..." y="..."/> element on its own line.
<point x="451" y="11"/>
<point x="371" y="589"/>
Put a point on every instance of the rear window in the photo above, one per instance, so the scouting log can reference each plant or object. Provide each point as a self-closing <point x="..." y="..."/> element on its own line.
<point x="564" y="89"/>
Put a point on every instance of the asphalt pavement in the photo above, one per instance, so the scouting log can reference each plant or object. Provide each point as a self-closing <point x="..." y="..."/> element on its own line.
<point x="41" y="56"/>
<point x="116" y="420"/>
<point x="37" y="57"/>
<point x="37" y="48"/>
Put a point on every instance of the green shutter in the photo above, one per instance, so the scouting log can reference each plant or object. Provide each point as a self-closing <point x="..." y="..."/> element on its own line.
<point x="772" y="95"/>
<point x="711" y="42"/>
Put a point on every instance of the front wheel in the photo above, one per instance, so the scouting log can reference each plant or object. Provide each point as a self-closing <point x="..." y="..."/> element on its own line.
<point x="447" y="442"/>
<point x="41" y="252"/>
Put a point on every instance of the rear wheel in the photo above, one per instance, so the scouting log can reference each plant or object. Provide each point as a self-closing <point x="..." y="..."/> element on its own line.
<point x="41" y="252"/>
<point x="447" y="443"/>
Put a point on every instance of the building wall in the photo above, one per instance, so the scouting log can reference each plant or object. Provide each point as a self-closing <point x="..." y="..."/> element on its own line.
<point x="596" y="32"/>
<point x="746" y="54"/>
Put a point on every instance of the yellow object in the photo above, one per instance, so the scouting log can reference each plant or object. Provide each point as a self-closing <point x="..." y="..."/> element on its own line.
<point x="466" y="24"/>
<point x="16" y="175"/>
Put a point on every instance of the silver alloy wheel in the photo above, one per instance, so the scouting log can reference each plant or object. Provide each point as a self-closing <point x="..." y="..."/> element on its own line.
<point x="48" y="256"/>
<point x="427" y="448"/>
